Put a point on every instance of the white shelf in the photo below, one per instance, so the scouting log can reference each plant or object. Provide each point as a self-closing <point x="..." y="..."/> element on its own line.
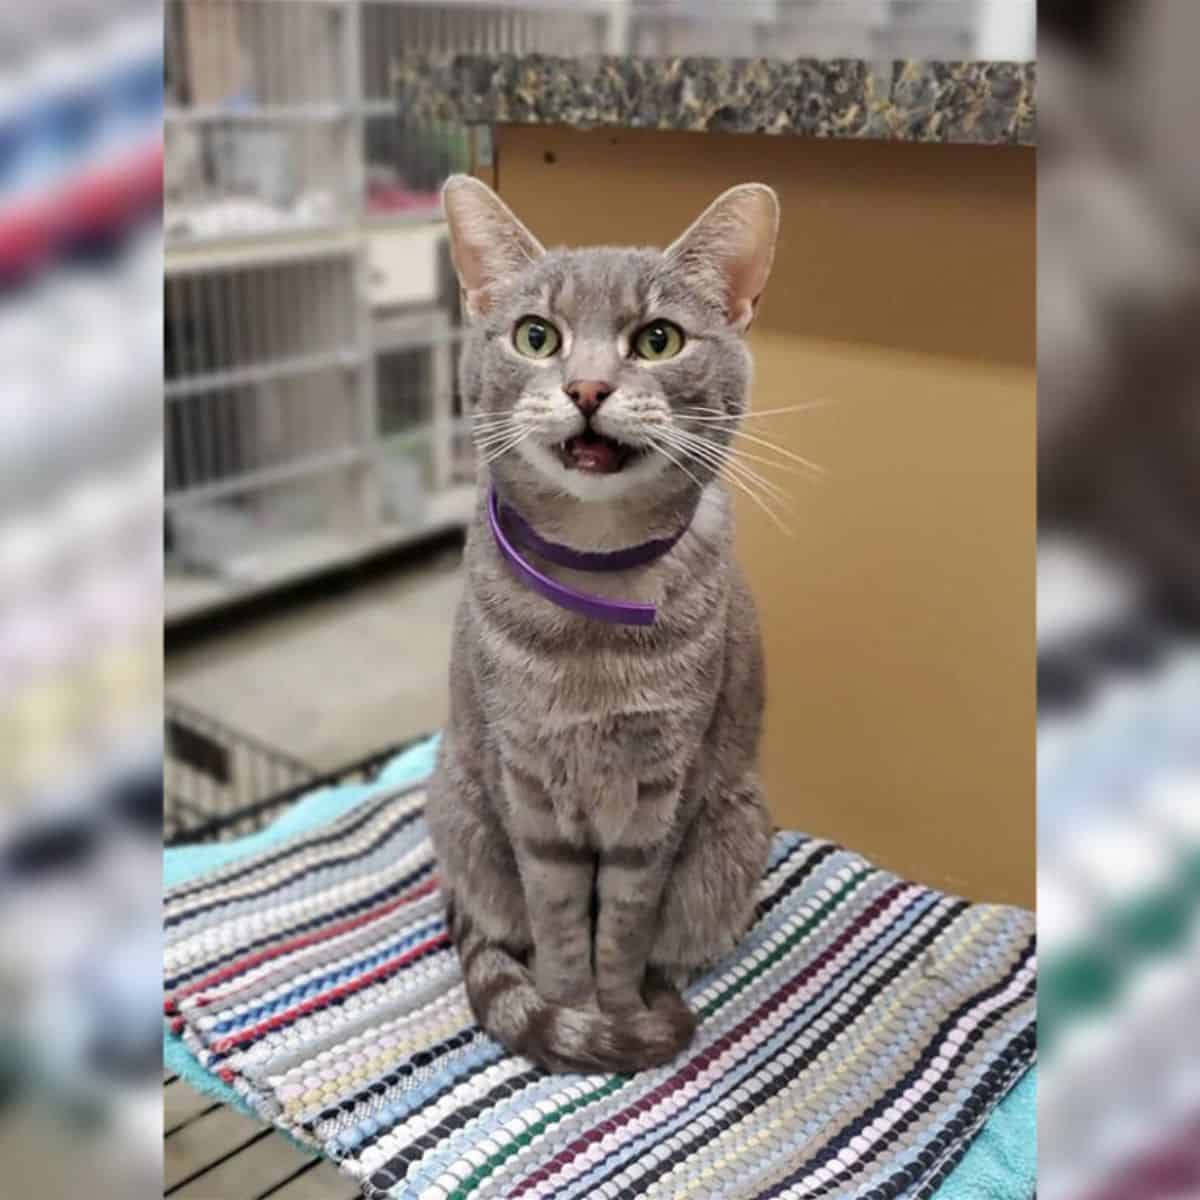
<point x="228" y="262"/>
<point x="329" y="461"/>
<point x="260" y="249"/>
<point x="262" y="114"/>
<point x="303" y="556"/>
<point x="264" y="372"/>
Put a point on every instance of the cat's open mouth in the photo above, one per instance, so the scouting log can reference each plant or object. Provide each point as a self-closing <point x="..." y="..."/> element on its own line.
<point x="593" y="452"/>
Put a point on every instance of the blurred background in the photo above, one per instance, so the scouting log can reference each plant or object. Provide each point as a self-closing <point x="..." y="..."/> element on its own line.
<point x="1119" y="599"/>
<point x="80" y="596"/>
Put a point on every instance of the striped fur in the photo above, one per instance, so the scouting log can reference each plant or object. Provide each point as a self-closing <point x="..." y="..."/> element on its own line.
<point x="505" y="1001"/>
<point x="596" y="809"/>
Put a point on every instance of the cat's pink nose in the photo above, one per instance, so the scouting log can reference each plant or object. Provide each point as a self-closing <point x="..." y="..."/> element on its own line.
<point x="588" y="394"/>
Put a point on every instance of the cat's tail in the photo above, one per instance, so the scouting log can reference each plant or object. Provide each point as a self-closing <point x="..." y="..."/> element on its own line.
<point x="559" y="1038"/>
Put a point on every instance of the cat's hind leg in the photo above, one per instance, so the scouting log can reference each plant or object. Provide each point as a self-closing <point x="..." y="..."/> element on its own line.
<point x="708" y="900"/>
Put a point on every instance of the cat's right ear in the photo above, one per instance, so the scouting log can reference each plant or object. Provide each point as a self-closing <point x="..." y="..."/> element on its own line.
<point x="727" y="251"/>
<point x="487" y="242"/>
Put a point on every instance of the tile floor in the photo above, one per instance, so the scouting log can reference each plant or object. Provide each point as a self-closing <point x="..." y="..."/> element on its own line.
<point x="332" y="680"/>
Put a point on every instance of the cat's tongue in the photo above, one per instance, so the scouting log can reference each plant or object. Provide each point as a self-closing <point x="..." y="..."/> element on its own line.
<point x="589" y="452"/>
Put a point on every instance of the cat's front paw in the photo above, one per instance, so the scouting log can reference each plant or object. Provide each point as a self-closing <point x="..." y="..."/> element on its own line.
<point x="567" y="995"/>
<point x="579" y="1000"/>
<point x="617" y="1002"/>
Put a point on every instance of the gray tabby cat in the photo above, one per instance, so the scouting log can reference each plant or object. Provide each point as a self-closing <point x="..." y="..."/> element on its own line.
<point x="596" y="809"/>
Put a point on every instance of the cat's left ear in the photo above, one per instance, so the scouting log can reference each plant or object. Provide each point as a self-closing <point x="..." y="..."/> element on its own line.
<point x="727" y="250"/>
<point x="487" y="242"/>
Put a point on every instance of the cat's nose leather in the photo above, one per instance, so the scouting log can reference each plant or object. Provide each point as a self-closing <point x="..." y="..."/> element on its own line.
<point x="588" y="394"/>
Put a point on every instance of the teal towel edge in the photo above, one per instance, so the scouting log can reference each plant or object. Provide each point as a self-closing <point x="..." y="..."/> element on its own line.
<point x="181" y="863"/>
<point x="1000" y="1164"/>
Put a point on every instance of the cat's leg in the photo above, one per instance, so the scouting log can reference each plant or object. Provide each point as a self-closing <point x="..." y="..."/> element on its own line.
<point x="633" y="868"/>
<point x="475" y="859"/>
<point x="708" y="897"/>
<point x="557" y="874"/>
<point x="483" y="869"/>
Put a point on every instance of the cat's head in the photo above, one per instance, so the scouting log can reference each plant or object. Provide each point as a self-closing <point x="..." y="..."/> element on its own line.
<point x="607" y="371"/>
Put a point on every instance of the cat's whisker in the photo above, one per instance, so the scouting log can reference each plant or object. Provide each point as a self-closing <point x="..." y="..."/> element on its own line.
<point x="791" y="456"/>
<point x="491" y="458"/>
<point x="775" y="506"/>
<point x="775" y="520"/>
<point x="502" y="431"/>
<point x="707" y="454"/>
<point x="512" y="443"/>
<point x="780" y="505"/>
<point x="738" y="453"/>
<point x="661" y="449"/>
<point x="761" y="502"/>
<point x="495" y="449"/>
<point x="494" y="427"/>
<point x="506" y="421"/>
<point x="486" y="447"/>
<point x="717" y="416"/>
<point x="721" y="458"/>
<point x="732" y="473"/>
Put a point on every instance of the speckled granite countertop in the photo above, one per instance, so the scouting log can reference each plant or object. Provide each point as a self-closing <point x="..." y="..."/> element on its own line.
<point x="987" y="103"/>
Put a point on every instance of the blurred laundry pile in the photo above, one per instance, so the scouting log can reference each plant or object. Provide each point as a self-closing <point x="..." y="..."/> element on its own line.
<point x="80" y="594"/>
<point x="1119" y="287"/>
<point x="1119" y="600"/>
<point x="1118" y="879"/>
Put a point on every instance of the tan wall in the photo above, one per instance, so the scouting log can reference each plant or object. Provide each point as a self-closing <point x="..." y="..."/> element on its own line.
<point x="899" y="621"/>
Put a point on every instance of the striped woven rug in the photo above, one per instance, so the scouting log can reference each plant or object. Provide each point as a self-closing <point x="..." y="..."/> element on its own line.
<point x="858" y="1039"/>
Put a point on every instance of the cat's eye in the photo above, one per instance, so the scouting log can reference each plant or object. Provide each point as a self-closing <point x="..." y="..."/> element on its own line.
<point x="536" y="338"/>
<point x="658" y="340"/>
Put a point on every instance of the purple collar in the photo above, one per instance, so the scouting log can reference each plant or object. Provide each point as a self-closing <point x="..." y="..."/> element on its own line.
<point x="618" y="612"/>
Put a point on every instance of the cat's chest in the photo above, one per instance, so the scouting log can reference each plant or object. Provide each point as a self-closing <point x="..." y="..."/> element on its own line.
<point x="616" y="689"/>
<point x="595" y="772"/>
<point x="609" y="718"/>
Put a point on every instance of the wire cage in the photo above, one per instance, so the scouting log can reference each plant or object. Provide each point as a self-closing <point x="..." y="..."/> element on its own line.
<point x="258" y="96"/>
<point x="312" y="321"/>
<point x="311" y="315"/>
<point x="288" y="440"/>
<point x="257" y="371"/>
<point x="220" y="783"/>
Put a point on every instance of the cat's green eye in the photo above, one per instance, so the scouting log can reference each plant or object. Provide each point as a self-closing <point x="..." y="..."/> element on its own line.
<point x="658" y="340"/>
<point x="536" y="338"/>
